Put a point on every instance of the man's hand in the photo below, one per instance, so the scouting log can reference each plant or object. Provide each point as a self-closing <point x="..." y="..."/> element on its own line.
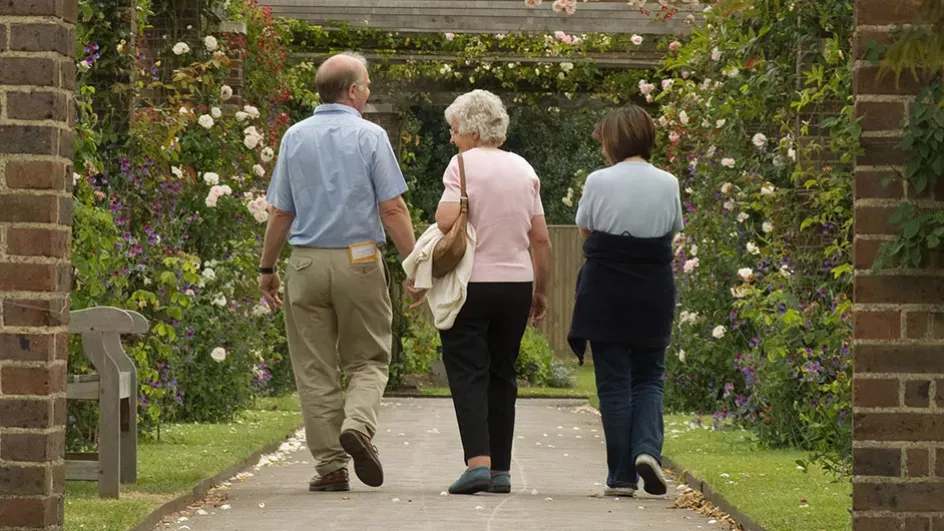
<point x="418" y="295"/>
<point x="269" y="286"/>
<point x="538" y="309"/>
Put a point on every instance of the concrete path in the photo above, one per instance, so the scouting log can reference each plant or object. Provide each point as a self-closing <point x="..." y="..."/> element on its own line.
<point x="557" y="477"/>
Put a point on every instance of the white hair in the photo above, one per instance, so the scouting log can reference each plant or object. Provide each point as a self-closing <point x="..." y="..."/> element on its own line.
<point x="480" y="112"/>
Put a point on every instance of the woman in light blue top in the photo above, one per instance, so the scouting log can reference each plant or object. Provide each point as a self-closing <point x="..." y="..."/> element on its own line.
<point x="625" y="301"/>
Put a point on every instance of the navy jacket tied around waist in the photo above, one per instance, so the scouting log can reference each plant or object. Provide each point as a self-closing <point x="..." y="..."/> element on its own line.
<point x="625" y="293"/>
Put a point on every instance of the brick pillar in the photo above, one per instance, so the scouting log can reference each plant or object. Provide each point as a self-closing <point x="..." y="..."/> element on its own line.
<point x="898" y="391"/>
<point x="37" y="77"/>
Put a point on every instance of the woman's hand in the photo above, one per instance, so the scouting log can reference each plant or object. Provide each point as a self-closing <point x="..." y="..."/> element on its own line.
<point x="538" y="309"/>
<point x="418" y="295"/>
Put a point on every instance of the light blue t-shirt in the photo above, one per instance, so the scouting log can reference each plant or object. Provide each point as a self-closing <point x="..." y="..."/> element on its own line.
<point x="333" y="170"/>
<point x="633" y="198"/>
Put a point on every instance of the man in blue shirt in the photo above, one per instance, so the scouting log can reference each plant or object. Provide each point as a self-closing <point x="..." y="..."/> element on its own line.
<point x="335" y="186"/>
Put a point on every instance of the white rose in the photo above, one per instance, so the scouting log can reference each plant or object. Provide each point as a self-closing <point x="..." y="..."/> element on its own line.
<point x="739" y="292"/>
<point x="728" y="162"/>
<point x="208" y="274"/>
<point x="211" y="43"/>
<point x="759" y="140"/>
<point x="683" y="118"/>
<point x="220" y="300"/>
<point x="636" y="39"/>
<point x="716" y="54"/>
<point x="261" y="216"/>
<point x="720" y="123"/>
<point x="177" y="171"/>
<point x="253" y="137"/>
<point x="258" y="170"/>
<point x="767" y="190"/>
<point x="567" y="66"/>
<point x="718" y="332"/>
<point x="226" y="92"/>
<point x="218" y="354"/>
<point x="745" y="273"/>
<point x="693" y="251"/>
<point x="212" y="200"/>
<point x="184" y="111"/>
<point x="785" y="271"/>
<point x="792" y="154"/>
<point x="742" y="217"/>
<point x="726" y="188"/>
<point x="251" y="111"/>
<point x="181" y="48"/>
<point x="211" y="178"/>
<point x="216" y="112"/>
<point x="767" y="227"/>
<point x="753" y="248"/>
<point x="241" y="116"/>
<point x="729" y="204"/>
<point x="206" y="121"/>
<point x="267" y="154"/>
<point x="225" y="189"/>
<point x="681" y="356"/>
<point x="690" y="265"/>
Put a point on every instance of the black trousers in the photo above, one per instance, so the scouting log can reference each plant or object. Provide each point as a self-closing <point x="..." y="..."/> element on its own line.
<point x="479" y="353"/>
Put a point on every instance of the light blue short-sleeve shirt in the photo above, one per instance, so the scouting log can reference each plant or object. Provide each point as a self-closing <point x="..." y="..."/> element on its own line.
<point x="633" y="198"/>
<point x="333" y="170"/>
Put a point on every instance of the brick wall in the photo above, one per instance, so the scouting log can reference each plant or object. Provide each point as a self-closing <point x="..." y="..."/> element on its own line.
<point x="37" y="76"/>
<point x="898" y="391"/>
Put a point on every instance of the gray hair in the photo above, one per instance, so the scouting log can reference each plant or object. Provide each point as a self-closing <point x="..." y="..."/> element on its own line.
<point x="337" y="74"/>
<point x="480" y="112"/>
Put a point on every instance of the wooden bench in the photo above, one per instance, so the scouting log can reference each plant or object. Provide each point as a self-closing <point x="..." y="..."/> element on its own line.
<point x="115" y="387"/>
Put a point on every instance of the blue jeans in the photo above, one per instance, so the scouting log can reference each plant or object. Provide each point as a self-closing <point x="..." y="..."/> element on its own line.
<point x="630" y="386"/>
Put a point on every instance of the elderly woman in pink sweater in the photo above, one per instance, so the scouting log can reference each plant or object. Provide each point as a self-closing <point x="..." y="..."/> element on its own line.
<point x="508" y="284"/>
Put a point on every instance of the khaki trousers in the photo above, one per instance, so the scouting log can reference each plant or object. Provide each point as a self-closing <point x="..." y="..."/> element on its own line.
<point x="337" y="318"/>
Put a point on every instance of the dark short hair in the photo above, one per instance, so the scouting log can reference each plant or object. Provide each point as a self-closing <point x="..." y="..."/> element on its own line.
<point x="627" y="132"/>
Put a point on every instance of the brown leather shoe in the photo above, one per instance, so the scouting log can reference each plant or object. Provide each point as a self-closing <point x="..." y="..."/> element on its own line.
<point x="366" y="461"/>
<point x="336" y="481"/>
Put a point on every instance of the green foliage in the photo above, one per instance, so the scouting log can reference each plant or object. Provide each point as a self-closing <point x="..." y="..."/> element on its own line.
<point x="921" y="229"/>
<point x="155" y="232"/>
<point x="916" y="48"/>
<point x="763" y="264"/>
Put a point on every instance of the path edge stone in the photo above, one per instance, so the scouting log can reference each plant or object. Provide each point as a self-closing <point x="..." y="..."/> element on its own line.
<point x="200" y="490"/>
<point x="709" y="493"/>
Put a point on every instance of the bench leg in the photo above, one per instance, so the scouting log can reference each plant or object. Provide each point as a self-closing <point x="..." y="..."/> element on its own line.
<point x="109" y="432"/>
<point x="129" y="440"/>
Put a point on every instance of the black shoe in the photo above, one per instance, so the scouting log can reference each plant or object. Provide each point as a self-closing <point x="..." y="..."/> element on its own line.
<point x="366" y="461"/>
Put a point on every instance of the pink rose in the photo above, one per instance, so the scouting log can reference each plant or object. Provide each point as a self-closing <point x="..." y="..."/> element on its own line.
<point x="674" y="45"/>
<point x="674" y="137"/>
<point x="450" y="36"/>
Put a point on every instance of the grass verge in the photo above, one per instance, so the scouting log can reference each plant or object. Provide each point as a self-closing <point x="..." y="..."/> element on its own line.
<point x="185" y="455"/>
<point x="765" y="485"/>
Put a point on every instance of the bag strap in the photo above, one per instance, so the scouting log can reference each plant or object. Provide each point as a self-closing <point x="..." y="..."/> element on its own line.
<point x="463" y="194"/>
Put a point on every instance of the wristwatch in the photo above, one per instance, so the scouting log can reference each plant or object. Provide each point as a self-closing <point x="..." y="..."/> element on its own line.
<point x="267" y="270"/>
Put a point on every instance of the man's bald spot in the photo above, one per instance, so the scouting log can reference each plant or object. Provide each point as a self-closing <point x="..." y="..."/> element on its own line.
<point x="337" y="74"/>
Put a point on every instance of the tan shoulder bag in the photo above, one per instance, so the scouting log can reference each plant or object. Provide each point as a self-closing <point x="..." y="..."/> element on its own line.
<point x="450" y="250"/>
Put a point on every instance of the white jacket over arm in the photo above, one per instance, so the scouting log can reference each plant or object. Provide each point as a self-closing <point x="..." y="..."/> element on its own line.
<point x="445" y="295"/>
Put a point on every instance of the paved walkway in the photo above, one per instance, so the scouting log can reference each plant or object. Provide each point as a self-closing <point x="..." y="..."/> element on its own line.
<point x="557" y="475"/>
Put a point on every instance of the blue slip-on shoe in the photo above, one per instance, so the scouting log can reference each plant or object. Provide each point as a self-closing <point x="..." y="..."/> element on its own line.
<point x="473" y="480"/>
<point x="501" y="482"/>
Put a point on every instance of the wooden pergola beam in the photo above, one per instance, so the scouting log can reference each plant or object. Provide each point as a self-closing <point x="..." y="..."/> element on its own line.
<point x="643" y="59"/>
<point x="488" y="16"/>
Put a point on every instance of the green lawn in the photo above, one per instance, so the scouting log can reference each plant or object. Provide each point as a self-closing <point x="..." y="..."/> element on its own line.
<point x="763" y="484"/>
<point x="185" y="455"/>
